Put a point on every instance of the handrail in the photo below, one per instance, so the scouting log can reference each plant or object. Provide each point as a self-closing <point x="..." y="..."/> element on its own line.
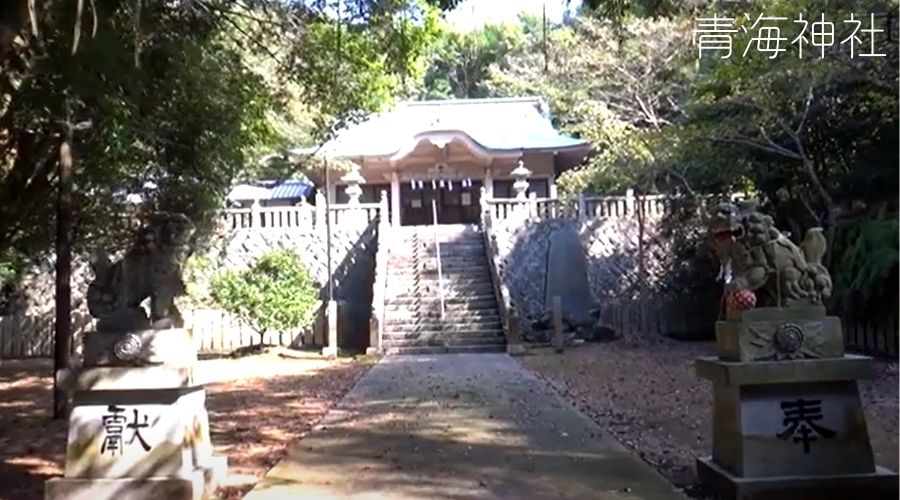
<point x="437" y="246"/>
<point x="379" y="284"/>
<point x="501" y="292"/>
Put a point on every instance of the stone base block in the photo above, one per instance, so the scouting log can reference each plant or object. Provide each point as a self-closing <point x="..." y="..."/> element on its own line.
<point x="880" y="485"/>
<point x="515" y="349"/>
<point x="731" y="373"/>
<point x="173" y="347"/>
<point x="776" y="334"/>
<point x="372" y="351"/>
<point x="152" y="488"/>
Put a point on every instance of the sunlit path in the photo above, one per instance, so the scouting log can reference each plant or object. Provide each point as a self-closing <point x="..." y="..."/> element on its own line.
<point x="458" y="426"/>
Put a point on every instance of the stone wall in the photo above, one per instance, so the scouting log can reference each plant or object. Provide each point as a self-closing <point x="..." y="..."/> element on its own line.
<point x="353" y="266"/>
<point x="28" y="321"/>
<point x="680" y="293"/>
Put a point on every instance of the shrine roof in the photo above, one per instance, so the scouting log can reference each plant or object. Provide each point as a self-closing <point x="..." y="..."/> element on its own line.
<point x="494" y="125"/>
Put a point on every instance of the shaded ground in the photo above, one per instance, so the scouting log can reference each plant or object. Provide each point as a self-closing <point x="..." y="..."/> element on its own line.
<point x="458" y="426"/>
<point x="648" y="396"/>
<point x="256" y="406"/>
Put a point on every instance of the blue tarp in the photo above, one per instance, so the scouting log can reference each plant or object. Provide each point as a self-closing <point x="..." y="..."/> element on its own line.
<point x="290" y="189"/>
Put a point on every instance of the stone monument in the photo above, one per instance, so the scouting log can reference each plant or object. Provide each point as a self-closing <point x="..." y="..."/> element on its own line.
<point x="138" y="427"/>
<point x="567" y="277"/>
<point x="787" y="417"/>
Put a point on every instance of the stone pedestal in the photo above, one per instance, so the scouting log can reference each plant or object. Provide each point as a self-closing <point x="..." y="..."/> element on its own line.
<point x="138" y="432"/>
<point x="787" y="417"/>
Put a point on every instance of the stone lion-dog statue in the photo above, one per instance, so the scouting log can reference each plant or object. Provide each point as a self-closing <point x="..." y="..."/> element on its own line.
<point x="763" y="262"/>
<point x="151" y="269"/>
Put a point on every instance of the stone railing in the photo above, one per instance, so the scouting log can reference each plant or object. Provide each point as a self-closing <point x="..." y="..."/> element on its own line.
<point x="379" y="283"/>
<point x="303" y="215"/>
<point x="495" y="263"/>
<point x="583" y="207"/>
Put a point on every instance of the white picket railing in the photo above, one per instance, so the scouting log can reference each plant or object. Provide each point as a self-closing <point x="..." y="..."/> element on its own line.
<point x="298" y="216"/>
<point x="583" y="207"/>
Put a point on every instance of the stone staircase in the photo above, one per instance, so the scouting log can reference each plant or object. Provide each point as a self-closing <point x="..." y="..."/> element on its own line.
<point x="413" y="323"/>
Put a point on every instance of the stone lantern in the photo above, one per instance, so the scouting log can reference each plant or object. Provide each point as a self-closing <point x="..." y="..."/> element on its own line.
<point x="353" y="180"/>
<point x="521" y="185"/>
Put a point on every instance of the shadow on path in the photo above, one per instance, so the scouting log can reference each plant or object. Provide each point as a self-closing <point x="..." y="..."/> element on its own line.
<point x="453" y="427"/>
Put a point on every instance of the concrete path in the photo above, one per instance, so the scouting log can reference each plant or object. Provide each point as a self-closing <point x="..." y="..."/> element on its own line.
<point x="457" y="426"/>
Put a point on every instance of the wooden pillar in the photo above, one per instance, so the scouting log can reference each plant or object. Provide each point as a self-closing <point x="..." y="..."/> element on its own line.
<point x="554" y="195"/>
<point x="395" y="199"/>
<point x="488" y="182"/>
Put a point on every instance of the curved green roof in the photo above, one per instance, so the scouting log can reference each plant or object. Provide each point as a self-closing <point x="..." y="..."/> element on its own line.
<point x="496" y="125"/>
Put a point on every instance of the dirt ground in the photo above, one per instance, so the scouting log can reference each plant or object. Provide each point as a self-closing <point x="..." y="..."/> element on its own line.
<point x="647" y="395"/>
<point x="247" y="404"/>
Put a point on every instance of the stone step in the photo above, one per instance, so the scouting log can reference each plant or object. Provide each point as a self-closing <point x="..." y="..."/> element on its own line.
<point x="474" y="332"/>
<point x="428" y="271"/>
<point x="406" y="283"/>
<point x="423" y="245"/>
<point x="477" y="349"/>
<point x="471" y="267"/>
<point x="447" y="327"/>
<point x="431" y="301"/>
<point x="440" y="229"/>
<point x="449" y="297"/>
<point x="412" y="318"/>
<point x="427" y="245"/>
<point x="429" y="286"/>
<point x="404" y="260"/>
<point x="446" y="342"/>
<point x="434" y="287"/>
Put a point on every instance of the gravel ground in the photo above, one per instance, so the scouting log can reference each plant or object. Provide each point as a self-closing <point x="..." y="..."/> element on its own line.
<point x="247" y="405"/>
<point x="647" y="395"/>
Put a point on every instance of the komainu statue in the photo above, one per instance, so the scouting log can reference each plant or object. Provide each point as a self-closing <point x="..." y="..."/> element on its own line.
<point x="759" y="258"/>
<point x="150" y="270"/>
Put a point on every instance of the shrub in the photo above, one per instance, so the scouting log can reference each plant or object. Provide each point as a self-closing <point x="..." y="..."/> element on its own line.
<point x="276" y="294"/>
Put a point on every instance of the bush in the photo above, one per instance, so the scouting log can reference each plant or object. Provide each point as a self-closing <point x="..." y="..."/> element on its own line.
<point x="276" y="294"/>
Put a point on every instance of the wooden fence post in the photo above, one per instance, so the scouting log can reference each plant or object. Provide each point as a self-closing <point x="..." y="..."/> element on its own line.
<point x="582" y="207"/>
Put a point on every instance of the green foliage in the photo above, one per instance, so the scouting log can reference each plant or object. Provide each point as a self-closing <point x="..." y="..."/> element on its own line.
<point x="869" y="255"/>
<point x="198" y="272"/>
<point x="458" y="64"/>
<point x="213" y="88"/>
<point x="276" y="294"/>
<point x="616" y="88"/>
<point x="815" y="139"/>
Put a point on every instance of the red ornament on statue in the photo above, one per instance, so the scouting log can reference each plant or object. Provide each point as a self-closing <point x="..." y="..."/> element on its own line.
<point x="741" y="300"/>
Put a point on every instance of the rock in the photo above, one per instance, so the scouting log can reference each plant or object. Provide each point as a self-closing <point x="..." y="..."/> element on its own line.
<point x="600" y="333"/>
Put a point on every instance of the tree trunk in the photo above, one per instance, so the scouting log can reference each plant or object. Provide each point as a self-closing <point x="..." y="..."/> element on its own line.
<point x="62" y="335"/>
